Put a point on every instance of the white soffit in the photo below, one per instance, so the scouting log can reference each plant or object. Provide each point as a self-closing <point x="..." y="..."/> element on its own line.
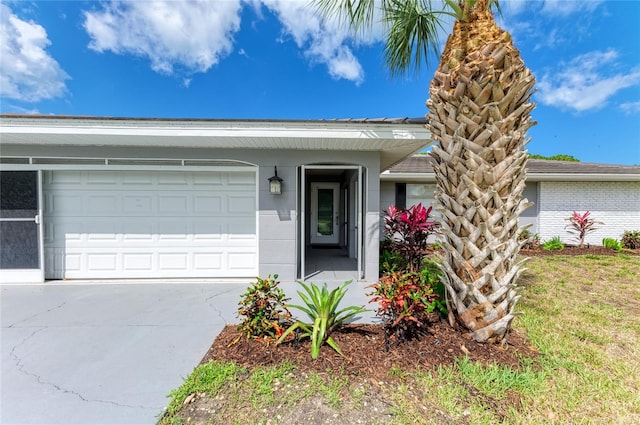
<point x="394" y="141"/>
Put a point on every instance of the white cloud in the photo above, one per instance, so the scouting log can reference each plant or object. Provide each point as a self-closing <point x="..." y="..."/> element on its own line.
<point x="586" y="82"/>
<point x="192" y="35"/>
<point x="630" y="108"/>
<point x="195" y="35"/>
<point x="27" y="72"/>
<point x="323" y="42"/>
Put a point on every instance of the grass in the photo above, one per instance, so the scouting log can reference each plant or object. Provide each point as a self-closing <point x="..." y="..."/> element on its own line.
<point x="581" y="313"/>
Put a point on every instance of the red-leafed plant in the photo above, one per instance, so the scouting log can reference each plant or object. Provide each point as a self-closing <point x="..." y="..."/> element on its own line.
<point x="580" y="225"/>
<point x="405" y="299"/>
<point x="408" y="231"/>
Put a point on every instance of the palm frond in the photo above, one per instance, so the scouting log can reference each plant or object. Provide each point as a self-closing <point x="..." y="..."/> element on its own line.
<point x="413" y="32"/>
<point x="357" y="15"/>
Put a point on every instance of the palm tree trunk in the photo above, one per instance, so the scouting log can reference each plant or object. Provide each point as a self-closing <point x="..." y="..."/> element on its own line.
<point x="479" y="112"/>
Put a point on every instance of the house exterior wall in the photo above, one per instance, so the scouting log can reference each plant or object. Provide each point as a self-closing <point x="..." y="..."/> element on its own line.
<point x="617" y="204"/>
<point x="278" y="249"/>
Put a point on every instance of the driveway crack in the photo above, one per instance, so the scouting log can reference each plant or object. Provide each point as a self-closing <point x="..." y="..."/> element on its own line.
<point x="33" y="316"/>
<point x="216" y="309"/>
<point x="23" y="369"/>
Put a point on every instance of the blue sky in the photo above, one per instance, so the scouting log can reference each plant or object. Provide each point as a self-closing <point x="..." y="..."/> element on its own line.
<point x="274" y="59"/>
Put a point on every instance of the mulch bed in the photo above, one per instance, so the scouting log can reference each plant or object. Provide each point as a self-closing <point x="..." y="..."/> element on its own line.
<point x="364" y="347"/>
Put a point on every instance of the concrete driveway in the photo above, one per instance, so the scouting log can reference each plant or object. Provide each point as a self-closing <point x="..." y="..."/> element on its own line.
<point x="97" y="353"/>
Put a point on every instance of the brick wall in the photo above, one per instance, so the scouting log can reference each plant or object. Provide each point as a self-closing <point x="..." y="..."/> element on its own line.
<point x="617" y="204"/>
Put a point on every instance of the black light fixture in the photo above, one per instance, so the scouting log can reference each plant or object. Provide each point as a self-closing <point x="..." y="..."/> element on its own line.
<point x="275" y="183"/>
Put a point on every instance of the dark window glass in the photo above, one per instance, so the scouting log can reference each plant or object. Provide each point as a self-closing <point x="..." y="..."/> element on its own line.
<point x="19" y="245"/>
<point x="401" y="195"/>
<point x="18" y="194"/>
<point x="18" y="239"/>
<point x="325" y="212"/>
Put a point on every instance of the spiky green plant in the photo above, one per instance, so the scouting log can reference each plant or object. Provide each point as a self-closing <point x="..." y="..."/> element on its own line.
<point x="321" y="305"/>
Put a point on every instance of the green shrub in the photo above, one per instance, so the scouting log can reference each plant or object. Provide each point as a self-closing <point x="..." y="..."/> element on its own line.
<point x="553" y="244"/>
<point x="631" y="239"/>
<point x="322" y="308"/>
<point x="263" y="309"/>
<point x="391" y="261"/>
<point x="611" y="243"/>
<point x="530" y="240"/>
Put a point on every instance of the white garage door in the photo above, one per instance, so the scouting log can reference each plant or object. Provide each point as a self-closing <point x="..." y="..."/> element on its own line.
<point x="144" y="224"/>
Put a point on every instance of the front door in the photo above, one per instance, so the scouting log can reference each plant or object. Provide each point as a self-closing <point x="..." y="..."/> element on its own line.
<point x="20" y="233"/>
<point x="325" y="213"/>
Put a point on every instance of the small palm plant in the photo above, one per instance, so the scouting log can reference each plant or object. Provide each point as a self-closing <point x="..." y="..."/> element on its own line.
<point x="322" y="308"/>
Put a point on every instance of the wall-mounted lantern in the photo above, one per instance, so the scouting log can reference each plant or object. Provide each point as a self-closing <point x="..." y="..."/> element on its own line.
<point x="275" y="183"/>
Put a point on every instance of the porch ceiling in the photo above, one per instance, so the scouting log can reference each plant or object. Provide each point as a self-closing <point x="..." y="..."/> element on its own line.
<point x="394" y="141"/>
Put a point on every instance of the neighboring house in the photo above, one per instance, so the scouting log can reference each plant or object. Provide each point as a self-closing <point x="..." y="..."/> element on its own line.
<point x="556" y="188"/>
<point x="116" y="198"/>
<point x="119" y="198"/>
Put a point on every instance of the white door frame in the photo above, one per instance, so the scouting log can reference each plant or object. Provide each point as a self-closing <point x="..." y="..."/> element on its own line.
<point x="29" y="275"/>
<point x="360" y="211"/>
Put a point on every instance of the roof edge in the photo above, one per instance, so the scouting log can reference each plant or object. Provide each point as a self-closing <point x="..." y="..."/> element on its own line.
<point x="381" y="120"/>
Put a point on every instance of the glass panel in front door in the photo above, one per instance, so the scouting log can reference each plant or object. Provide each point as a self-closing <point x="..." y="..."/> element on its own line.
<point x="325" y="212"/>
<point x="18" y="227"/>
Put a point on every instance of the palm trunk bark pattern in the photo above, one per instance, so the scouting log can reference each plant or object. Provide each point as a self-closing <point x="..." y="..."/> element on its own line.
<point x="479" y="113"/>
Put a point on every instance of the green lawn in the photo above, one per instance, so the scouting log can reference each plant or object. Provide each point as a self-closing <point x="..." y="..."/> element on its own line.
<point x="581" y="313"/>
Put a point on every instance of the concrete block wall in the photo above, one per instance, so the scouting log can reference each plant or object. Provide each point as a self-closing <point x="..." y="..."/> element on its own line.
<point x="617" y="204"/>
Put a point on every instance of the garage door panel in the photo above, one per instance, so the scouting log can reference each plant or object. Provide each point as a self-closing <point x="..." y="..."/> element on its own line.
<point x="203" y="204"/>
<point x="241" y="178"/>
<point x="173" y="204"/>
<point x="150" y="224"/>
<point x="137" y="204"/>
<point x="102" y="262"/>
<point x="64" y="204"/>
<point x="102" y="231"/>
<point x="172" y="261"/>
<point x="172" y="179"/>
<point x="135" y="178"/>
<point x="209" y="179"/>
<point x="137" y="262"/>
<point x="98" y="177"/>
<point x="63" y="178"/>
<point x="172" y="231"/>
<point x="208" y="261"/>
<point x="241" y="261"/>
<point x="208" y="231"/>
<point x="102" y="204"/>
